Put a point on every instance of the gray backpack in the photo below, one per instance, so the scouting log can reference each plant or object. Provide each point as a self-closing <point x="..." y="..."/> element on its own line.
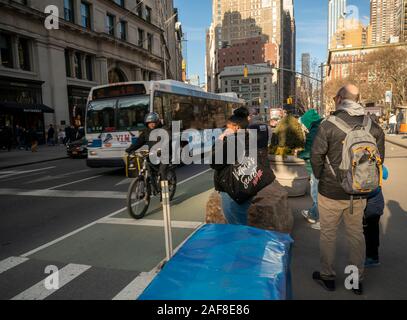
<point x="360" y="171"/>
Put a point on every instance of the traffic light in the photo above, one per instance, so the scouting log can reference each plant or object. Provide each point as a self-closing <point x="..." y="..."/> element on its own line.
<point x="290" y="101"/>
<point x="245" y="71"/>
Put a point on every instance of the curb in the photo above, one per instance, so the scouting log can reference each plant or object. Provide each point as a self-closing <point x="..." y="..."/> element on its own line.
<point x="31" y="163"/>
<point x="397" y="144"/>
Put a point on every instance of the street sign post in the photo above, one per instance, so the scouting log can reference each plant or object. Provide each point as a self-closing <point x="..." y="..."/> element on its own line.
<point x="389" y="96"/>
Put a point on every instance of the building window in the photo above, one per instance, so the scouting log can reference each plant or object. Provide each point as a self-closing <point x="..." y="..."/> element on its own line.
<point x="110" y="24"/>
<point x="123" y="30"/>
<point x="68" y="11"/>
<point x="150" y="42"/>
<point x="140" y="8"/>
<point x="24" y="54"/>
<point x="85" y="15"/>
<point x="148" y="14"/>
<point x="140" y="37"/>
<point x="119" y="2"/>
<point x="68" y="64"/>
<point x="89" y="68"/>
<point x="77" y="65"/>
<point x="6" y="54"/>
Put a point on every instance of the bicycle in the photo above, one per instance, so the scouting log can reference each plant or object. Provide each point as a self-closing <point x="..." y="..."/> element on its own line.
<point x="146" y="183"/>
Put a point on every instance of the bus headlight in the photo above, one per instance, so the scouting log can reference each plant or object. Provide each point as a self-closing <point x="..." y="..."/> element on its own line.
<point x="93" y="153"/>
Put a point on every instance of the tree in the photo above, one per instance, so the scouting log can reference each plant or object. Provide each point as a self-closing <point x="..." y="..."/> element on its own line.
<point x="377" y="72"/>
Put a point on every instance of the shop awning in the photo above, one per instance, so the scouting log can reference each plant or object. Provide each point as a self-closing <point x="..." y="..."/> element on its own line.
<point x="29" y="108"/>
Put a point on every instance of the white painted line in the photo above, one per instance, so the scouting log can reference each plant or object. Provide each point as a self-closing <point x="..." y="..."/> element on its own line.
<point x="151" y="223"/>
<point x="40" y="292"/>
<point x="93" y="223"/>
<point x="65" y="193"/>
<point x="24" y="172"/>
<point x="136" y="287"/>
<point x="134" y="290"/>
<point x="56" y="177"/>
<point x="74" y="182"/>
<point x="10" y="263"/>
<point x="124" y="182"/>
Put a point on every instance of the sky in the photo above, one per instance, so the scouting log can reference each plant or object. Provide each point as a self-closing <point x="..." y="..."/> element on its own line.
<point x="311" y="20"/>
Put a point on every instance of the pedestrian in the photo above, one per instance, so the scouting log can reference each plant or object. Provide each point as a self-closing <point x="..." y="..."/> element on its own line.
<point x="27" y="139"/>
<point x="234" y="212"/>
<point x="400" y="118"/>
<point x="8" y="137"/>
<point x="334" y="204"/>
<point x="67" y="134"/>
<point x="371" y="226"/>
<point x="51" y="136"/>
<point x="61" y="137"/>
<point x="392" y="124"/>
<point x="34" y="140"/>
<point x="311" y="120"/>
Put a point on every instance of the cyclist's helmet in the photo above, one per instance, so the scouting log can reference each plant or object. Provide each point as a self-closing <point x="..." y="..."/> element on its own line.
<point x="152" y="117"/>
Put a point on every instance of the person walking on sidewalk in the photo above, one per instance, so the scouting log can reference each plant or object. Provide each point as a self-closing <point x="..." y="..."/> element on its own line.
<point x="334" y="203"/>
<point x="51" y="136"/>
<point x="371" y="226"/>
<point x="311" y="121"/>
<point x="34" y="140"/>
<point x="392" y="124"/>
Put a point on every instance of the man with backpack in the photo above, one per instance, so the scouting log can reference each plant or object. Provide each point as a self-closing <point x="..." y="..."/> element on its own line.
<point x="346" y="158"/>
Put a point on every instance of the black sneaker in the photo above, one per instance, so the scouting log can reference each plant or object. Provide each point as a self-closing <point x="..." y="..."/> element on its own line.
<point x="359" y="291"/>
<point x="328" y="285"/>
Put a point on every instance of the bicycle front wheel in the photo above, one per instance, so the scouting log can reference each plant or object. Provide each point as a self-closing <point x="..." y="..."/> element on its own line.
<point x="138" y="198"/>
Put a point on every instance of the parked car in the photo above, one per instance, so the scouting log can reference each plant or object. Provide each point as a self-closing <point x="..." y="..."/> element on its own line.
<point x="78" y="148"/>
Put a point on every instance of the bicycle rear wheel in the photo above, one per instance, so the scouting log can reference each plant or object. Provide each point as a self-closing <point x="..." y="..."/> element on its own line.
<point x="138" y="198"/>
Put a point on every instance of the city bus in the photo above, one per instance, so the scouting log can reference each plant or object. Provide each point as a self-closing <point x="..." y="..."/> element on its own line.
<point x="115" y="114"/>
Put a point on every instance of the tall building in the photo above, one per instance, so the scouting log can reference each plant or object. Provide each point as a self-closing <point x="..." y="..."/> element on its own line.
<point x="387" y="19"/>
<point x="401" y="27"/>
<point x="98" y="42"/>
<point x="288" y="55"/>
<point x="351" y="33"/>
<point x="235" y="25"/>
<point x="306" y="64"/>
<point x="337" y="10"/>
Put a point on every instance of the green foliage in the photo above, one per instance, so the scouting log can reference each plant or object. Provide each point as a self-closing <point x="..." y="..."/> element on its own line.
<point x="288" y="137"/>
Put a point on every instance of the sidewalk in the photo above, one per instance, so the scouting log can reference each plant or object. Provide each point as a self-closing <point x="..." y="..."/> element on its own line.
<point x="18" y="158"/>
<point x="399" y="140"/>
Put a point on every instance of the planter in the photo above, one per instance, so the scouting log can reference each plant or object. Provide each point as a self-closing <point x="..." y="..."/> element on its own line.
<point x="291" y="173"/>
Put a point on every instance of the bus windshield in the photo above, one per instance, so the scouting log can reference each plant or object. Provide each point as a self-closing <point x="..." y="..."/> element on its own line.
<point x="124" y="114"/>
<point x="101" y="116"/>
<point x="132" y="112"/>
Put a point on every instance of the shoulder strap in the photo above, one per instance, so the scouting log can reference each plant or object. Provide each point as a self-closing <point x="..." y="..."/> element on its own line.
<point x="340" y="124"/>
<point x="367" y="123"/>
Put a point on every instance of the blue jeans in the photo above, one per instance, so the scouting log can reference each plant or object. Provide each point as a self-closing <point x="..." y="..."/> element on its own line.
<point x="234" y="213"/>
<point x="314" y="213"/>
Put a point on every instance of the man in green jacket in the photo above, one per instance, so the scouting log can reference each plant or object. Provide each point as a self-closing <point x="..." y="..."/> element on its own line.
<point x="311" y="121"/>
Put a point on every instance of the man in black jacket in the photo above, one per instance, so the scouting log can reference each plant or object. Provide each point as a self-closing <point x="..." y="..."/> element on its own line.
<point x="333" y="203"/>
<point x="152" y="122"/>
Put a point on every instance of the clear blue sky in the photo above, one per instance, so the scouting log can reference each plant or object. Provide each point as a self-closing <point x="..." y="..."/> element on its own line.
<point x="311" y="19"/>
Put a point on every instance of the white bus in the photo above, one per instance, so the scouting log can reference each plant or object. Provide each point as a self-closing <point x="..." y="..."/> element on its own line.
<point x="115" y="114"/>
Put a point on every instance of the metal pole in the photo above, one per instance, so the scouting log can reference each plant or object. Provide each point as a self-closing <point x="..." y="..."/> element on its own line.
<point x="165" y="194"/>
<point x="322" y="90"/>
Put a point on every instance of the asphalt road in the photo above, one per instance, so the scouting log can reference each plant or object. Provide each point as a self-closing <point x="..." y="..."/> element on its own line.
<point x="64" y="214"/>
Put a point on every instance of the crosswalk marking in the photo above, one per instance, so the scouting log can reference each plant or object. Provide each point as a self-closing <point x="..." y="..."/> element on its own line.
<point x="40" y="292"/>
<point x="10" y="263"/>
<point x="151" y="223"/>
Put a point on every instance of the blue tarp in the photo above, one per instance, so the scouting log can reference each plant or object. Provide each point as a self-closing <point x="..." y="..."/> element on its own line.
<point x="227" y="262"/>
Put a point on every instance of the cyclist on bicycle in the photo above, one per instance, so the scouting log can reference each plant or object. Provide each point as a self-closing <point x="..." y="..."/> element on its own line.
<point x="152" y="121"/>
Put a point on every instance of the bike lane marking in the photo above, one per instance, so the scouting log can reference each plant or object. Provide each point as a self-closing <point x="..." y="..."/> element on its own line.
<point x="151" y="223"/>
<point x="27" y="254"/>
